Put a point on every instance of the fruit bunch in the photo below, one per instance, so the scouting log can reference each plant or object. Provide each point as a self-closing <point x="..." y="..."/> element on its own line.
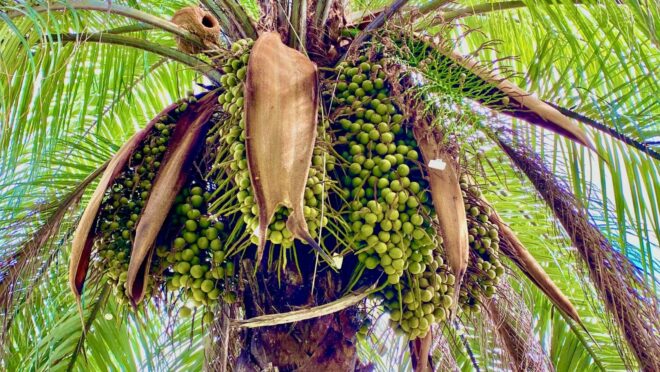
<point x="197" y="256"/>
<point x="233" y="131"/>
<point x="389" y="208"/>
<point x="234" y="137"/>
<point x="123" y="203"/>
<point x="485" y="267"/>
<point x="390" y="212"/>
<point x="421" y="300"/>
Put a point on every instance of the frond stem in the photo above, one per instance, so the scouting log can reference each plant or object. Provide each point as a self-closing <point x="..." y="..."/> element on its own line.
<point x="321" y="14"/>
<point x="433" y="5"/>
<point x="125" y="11"/>
<point x="148" y="46"/>
<point x="484" y="8"/>
<point x="639" y="145"/>
<point x="375" y="24"/>
<point x="466" y="345"/>
<point x="297" y="36"/>
<point x="238" y="15"/>
<point x="128" y="29"/>
<point x="88" y="324"/>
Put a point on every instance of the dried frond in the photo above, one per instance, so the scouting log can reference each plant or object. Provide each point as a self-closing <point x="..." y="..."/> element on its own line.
<point x="630" y="303"/>
<point x="513" y="248"/>
<point x="188" y="135"/>
<point x="83" y="238"/>
<point x="512" y="321"/>
<point x="420" y="353"/>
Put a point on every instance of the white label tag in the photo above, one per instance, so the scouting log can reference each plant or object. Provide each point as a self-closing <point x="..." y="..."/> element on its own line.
<point x="438" y="164"/>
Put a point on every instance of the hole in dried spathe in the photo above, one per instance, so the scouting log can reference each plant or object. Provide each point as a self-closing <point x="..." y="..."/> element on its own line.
<point x="207" y="21"/>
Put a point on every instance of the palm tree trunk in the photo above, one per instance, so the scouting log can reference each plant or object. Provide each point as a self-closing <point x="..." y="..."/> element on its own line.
<point x="320" y="344"/>
<point x="326" y="343"/>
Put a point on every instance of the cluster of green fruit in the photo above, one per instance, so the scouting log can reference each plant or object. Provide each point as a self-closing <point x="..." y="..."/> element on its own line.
<point x="235" y="69"/>
<point x="123" y="202"/>
<point x="197" y="258"/>
<point x="390" y="208"/>
<point x="424" y="299"/>
<point x="485" y="268"/>
<point x="315" y="191"/>
<point x="381" y="181"/>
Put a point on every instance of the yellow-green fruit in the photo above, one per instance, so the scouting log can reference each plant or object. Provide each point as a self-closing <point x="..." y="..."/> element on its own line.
<point x="185" y="311"/>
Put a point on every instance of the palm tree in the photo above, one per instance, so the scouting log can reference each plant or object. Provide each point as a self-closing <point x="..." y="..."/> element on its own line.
<point x="572" y="198"/>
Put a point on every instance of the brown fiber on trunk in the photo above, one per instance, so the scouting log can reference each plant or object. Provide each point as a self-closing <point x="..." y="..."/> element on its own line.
<point x="326" y="343"/>
<point x="322" y="344"/>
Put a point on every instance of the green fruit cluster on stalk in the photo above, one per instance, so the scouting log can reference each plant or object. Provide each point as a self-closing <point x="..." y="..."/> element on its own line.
<point x="420" y="301"/>
<point x="316" y="190"/>
<point x="233" y="81"/>
<point x="390" y="211"/>
<point x="485" y="268"/>
<point x="198" y="266"/>
<point x="389" y="207"/>
<point x="124" y="201"/>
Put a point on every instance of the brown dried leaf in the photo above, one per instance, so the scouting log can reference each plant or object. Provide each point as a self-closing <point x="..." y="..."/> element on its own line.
<point x="531" y="268"/>
<point x="190" y="129"/>
<point x="448" y="202"/>
<point x="281" y="106"/>
<point x="420" y="353"/>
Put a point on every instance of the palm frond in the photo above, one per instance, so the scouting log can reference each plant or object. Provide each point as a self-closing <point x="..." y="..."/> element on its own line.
<point x="102" y="6"/>
<point x="598" y="61"/>
<point x="630" y="302"/>
<point x="20" y="268"/>
<point x="173" y="54"/>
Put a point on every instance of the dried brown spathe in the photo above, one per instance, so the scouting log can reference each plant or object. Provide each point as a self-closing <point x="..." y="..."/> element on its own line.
<point x="281" y="109"/>
<point x="83" y="238"/>
<point x="190" y="130"/>
<point x="447" y="199"/>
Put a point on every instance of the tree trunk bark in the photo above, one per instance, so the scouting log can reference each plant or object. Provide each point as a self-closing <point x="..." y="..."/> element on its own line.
<point x="322" y="344"/>
<point x="327" y="343"/>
